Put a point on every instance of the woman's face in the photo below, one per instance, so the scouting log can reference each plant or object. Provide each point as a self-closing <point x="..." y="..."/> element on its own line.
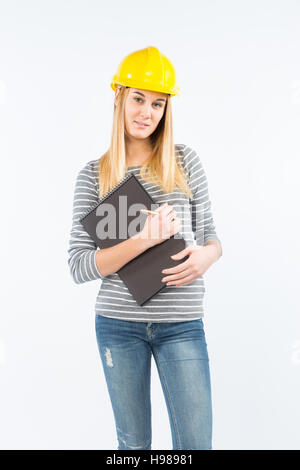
<point x="145" y="107"/>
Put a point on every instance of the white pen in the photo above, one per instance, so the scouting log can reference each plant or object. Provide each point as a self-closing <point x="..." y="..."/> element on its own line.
<point x="149" y="212"/>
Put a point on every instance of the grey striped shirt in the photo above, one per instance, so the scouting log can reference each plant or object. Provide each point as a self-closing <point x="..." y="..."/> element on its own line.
<point x="173" y="303"/>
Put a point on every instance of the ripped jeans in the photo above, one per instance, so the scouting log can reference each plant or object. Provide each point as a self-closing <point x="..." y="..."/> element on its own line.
<point x="180" y="353"/>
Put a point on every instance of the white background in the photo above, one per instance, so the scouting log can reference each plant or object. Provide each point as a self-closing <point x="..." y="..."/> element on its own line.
<point x="238" y="70"/>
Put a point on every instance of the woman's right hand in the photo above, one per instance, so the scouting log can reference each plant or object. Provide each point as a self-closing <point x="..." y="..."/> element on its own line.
<point x="159" y="227"/>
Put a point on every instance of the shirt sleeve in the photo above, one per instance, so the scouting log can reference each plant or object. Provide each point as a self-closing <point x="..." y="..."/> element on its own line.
<point x="203" y="224"/>
<point x="82" y="248"/>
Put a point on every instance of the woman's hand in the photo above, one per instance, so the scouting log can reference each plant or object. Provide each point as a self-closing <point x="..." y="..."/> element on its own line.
<point x="200" y="259"/>
<point x="161" y="226"/>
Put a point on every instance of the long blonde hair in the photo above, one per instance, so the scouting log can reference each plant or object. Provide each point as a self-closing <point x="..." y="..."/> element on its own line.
<point x="161" y="168"/>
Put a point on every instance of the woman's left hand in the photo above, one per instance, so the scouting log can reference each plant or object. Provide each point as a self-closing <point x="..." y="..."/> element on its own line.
<point x="195" y="266"/>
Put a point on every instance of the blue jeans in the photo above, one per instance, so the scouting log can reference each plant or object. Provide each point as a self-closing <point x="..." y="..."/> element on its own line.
<point x="180" y="353"/>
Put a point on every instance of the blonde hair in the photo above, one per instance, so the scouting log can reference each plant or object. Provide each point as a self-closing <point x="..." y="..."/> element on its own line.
<point x="161" y="168"/>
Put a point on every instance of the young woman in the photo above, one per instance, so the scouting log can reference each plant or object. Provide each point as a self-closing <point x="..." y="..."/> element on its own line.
<point x="170" y="325"/>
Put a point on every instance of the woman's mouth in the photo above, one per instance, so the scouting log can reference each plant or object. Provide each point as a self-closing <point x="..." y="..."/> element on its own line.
<point x="140" y="124"/>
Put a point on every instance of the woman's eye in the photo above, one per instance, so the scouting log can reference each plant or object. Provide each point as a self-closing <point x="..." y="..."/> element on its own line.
<point x="158" y="104"/>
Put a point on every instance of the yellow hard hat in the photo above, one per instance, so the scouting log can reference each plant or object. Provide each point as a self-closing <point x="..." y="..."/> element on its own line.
<point x="147" y="69"/>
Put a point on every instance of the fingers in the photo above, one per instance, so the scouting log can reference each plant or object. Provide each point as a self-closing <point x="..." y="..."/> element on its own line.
<point x="171" y="215"/>
<point x="165" y="209"/>
<point x="180" y="268"/>
<point x="182" y="282"/>
<point x="160" y="208"/>
<point x="179" y="274"/>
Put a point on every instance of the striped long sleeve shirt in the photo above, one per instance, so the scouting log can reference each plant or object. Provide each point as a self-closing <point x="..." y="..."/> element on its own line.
<point x="172" y="303"/>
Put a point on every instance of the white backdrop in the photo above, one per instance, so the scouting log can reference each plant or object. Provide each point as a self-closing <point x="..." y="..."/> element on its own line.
<point x="238" y="71"/>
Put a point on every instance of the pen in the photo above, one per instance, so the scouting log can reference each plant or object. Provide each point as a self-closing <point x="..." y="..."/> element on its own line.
<point x="149" y="212"/>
